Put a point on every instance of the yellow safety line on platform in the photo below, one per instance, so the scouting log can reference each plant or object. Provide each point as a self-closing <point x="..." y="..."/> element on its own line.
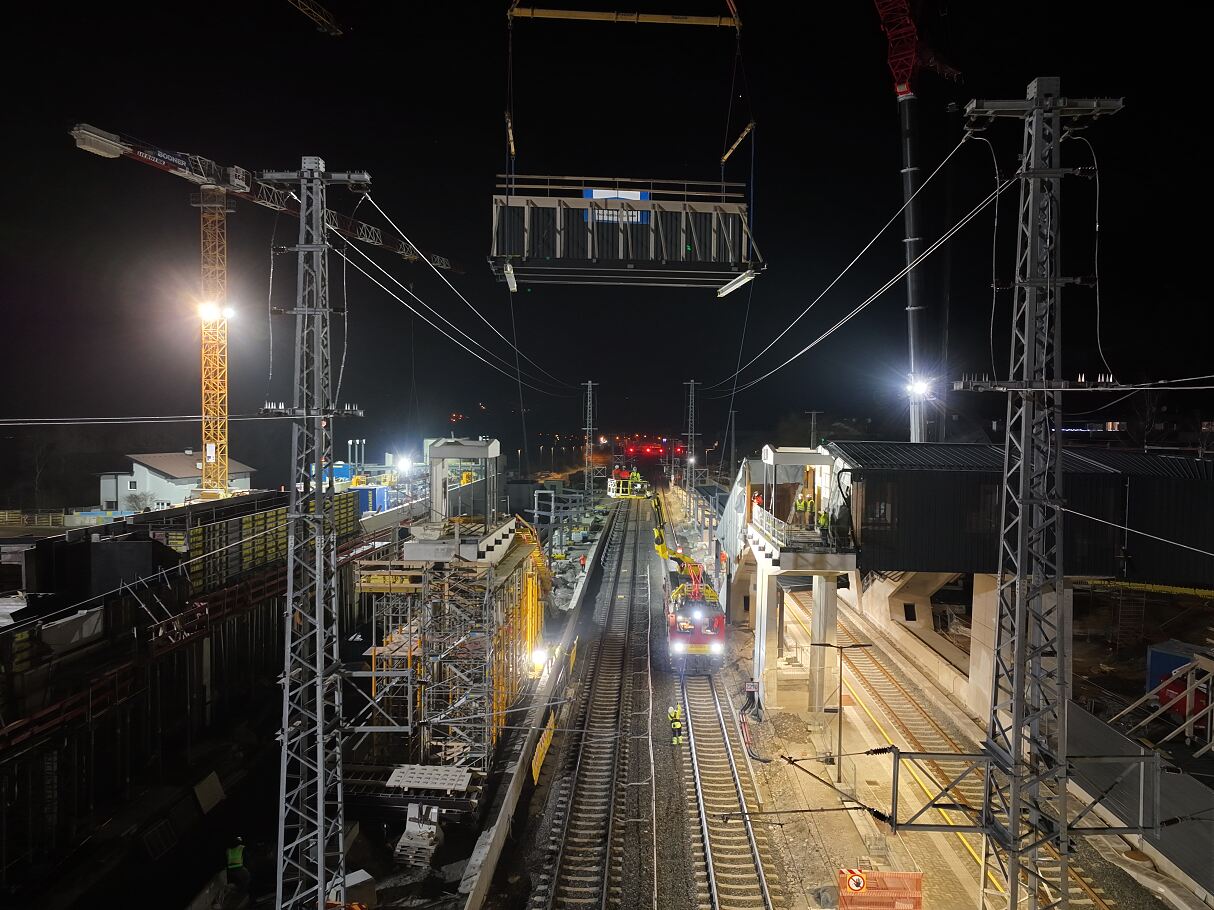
<point x="922" y="786"/>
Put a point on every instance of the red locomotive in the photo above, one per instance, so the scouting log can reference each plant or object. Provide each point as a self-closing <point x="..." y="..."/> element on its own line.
<point x="695" y="623"/>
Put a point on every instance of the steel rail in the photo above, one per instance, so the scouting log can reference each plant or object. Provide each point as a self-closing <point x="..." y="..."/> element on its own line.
<point x="722" y="729"/>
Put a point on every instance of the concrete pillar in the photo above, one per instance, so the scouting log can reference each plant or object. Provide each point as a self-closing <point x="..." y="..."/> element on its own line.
<point x="739" y="586"/>
<point x="984" y="614"/>
<point x="983" y="620"/>
<point x="766" y="629"/>
<point x="824" y="627"/>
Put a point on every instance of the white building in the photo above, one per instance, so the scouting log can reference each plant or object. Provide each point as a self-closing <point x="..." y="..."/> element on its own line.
<point x="162" y="479"/>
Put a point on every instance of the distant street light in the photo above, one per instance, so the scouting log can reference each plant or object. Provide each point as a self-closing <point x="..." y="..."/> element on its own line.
<point x="840" y="649"/>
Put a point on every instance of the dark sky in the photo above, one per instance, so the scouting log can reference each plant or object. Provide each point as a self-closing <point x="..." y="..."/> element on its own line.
<point x="101" y="257"/>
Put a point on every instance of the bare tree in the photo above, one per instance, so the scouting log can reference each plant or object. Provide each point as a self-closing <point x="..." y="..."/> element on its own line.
<point x="140" y="500"/>
<point x="42" y="456"/>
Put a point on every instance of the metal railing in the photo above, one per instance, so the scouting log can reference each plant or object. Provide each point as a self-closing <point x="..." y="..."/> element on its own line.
<point x="773" y="529"/>
<point x="794" y="537"/>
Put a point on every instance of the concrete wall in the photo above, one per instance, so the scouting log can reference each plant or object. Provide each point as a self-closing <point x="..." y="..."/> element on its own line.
<point x="882" y="603"/>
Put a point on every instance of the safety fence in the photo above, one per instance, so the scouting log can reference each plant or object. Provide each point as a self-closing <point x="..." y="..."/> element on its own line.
<point x="862" y="889"/>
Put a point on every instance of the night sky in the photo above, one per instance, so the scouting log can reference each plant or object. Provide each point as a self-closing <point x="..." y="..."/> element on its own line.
<point x="100" y="270"/>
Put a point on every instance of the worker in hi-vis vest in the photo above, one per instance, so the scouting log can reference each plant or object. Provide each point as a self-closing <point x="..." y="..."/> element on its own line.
<point x="676" y="724"/>
<point x="802" y="509"/>
<point x="238" y="875"/>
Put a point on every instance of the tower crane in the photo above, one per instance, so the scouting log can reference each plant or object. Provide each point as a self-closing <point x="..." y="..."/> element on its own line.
<point x="217" y="183"/>
<point x="322" y="17"/>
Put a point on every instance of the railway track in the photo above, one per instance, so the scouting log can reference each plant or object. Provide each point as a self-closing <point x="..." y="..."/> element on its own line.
<point x="593" y="845"/>
<point x="730" y="853"/>
<point x="923" y="733"/>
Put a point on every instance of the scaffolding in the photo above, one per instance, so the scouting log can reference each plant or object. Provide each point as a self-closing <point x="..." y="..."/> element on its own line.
<point x="452" y="649"/>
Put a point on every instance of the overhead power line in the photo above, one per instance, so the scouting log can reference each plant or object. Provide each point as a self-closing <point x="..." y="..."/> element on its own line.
<point x="163" y="573"/>
<point x="1096" y="251"/>
<point x="452" y="338"/>
<point x="119" y="421"/>
<point x="450" y="325"/>
<point x="1113" y="524"/>
<point x="885" y="287"/>
<point x="467" y="303"/>
<point x="847" y="267"/>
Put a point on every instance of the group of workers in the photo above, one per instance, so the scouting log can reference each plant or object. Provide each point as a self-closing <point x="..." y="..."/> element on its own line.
<point x="802" y="510"/>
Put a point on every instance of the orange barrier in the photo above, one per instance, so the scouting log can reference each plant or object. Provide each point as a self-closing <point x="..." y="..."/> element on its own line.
<point x="864" y="890"/>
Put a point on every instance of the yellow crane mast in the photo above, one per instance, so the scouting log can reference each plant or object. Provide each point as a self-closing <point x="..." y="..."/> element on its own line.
<point x="214" y="313"/>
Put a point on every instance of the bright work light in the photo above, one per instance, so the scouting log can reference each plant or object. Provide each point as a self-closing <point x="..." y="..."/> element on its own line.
<point x="731" y="286"/>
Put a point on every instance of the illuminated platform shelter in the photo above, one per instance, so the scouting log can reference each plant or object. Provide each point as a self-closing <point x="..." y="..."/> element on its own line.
<point x="622" y="231"/>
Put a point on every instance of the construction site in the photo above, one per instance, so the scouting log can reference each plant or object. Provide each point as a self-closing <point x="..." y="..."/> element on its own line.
<point x="900" y="601"/>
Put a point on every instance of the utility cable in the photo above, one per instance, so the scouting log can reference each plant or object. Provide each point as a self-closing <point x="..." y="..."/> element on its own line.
<point x="345" y="313"/>
<point x="874" y="812"/>
<point x="452" y="338"/>
<point x="1175" y="543"/>
<point x="118" y="421"/>
<point x="848" y="267"/>
<point x="467" y="303"/>
<point x="1096" y="251"/>
<point x="522" y="410"/>
<point x="163" y="573"/>
<point x="432" y="310"/>
<point x="270" y="303"/>
<point x="737" y="369"/>
<point x="1103" y="406"/>
<point x="885" y="287"/>
<point x="994" y="247"/>
<point x="733" y="82"/>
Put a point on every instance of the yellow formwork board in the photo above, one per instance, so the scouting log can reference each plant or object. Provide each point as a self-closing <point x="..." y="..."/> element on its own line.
<point x="541" y="748"/>
<point x="389" y="582"/>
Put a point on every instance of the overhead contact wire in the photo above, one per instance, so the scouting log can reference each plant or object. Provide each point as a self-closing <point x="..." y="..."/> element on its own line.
<point x="452" y="338"/>
<point x="452" y="326"/>
<point x="885" y="287"/>
<point x="846" y="268"/>
<point x="467" y="303"/>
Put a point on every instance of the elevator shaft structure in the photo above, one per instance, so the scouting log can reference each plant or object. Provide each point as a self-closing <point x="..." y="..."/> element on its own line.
<point x="311" y="818"/>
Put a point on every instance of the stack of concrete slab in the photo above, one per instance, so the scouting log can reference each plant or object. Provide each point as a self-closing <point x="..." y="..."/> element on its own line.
<point x="421" y="838"/>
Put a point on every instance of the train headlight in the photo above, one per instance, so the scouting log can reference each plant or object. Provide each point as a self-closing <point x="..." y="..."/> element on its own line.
<point x="678" y="647"/>
<point x="716" y="648"/>
<point x="539" y="657"/>
<point x="698" y="615"/>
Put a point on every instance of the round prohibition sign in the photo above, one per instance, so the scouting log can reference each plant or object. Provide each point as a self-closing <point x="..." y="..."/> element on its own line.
<point x="856" y="882"/>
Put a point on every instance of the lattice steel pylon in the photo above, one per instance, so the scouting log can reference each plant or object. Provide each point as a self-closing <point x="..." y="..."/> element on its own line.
<point x="690" y="467"/>
<point x="311" y="864"/>
<point x="590" y="470"/>
<point x="1025" y="814"/>
<point x="213" y="206"/>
